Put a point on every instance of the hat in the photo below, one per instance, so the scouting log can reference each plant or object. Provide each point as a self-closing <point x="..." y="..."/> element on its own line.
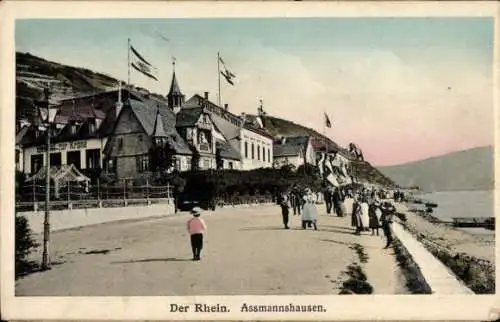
<point x="196" y="211"/>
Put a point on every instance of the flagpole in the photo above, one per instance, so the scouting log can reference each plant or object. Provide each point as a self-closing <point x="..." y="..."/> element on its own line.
<point x="128" y="59"/>
<point x="218" y="73"/>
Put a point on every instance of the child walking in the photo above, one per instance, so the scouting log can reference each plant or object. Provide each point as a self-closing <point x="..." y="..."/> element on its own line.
<point x="196" y="228"/>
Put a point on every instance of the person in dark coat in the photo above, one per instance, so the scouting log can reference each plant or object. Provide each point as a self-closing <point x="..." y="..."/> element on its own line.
<point x="374" y="213"/>
<point x="285" y="206"/>
<point x="388" y="211"/>
<point x="338" y="201"/>
<point x="328" y="195"/>
<point x="296" y="200"/>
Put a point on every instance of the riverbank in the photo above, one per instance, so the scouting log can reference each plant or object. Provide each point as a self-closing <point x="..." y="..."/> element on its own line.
<point x="470" y="256"/>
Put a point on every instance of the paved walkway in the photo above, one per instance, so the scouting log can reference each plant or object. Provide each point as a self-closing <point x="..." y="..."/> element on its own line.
<point x="440" y="279"/>
<point x="247" y="252"/>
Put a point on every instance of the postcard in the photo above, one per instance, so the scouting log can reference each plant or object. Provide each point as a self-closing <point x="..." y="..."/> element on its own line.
<point x="249" y="160"/>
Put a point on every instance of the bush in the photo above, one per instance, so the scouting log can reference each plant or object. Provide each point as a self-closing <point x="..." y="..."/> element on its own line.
<point x="25" y="244"/>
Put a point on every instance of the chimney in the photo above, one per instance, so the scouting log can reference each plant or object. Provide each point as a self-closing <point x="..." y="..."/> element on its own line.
<point x="206" y="95"/>
<point x="226" y="107"/>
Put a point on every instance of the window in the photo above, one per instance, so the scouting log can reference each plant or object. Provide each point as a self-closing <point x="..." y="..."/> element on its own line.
<point x="93" y="158"/>
<point x="110" y="165"/>
<point x="17" y="156"/>
<point x="177" y="164"/>
<point x="269" y="155"/>
<point x="230" y="164"/>
<point x="263" y="153"/>
<point x="142" y="163"/>
<point x="36" y="162"/>
<point x="92" y="127"/>
<point x="73" y="129"/>
<point x="258" y="152"/>
<point x="253" y="154"/>
<point x="120" y="144"/>
<point x="246" y="150"/>
<point x="140" y="137"/>
<point x="55" y="159"/>
<point x="206" y="163"/>
<point x="73" y="157"/>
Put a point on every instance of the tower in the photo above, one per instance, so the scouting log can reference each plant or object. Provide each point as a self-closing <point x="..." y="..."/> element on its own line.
<point x="159" y="136"/>
<point x="175" y="97"/>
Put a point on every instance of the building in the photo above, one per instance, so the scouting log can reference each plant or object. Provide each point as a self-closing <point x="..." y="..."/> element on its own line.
<point x="78" y="134"/>
<point x="246" y="147"/>
<point x="295" y="151"/>
<point x="142" y="122"/>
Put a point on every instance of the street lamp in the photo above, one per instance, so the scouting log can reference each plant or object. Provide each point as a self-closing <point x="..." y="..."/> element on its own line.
<point x="47" y="121"/>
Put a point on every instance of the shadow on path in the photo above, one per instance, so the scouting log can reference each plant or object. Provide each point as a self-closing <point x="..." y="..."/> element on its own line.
<point x="147" y="260"/>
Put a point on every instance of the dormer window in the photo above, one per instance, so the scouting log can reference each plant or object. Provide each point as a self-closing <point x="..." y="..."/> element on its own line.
<point x="73" y="129"/>
<point x="92" y="127"/>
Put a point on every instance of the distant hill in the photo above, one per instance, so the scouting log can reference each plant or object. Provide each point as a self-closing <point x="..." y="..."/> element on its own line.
<point x="33" y="72"/>
<point x="471" y="169"/>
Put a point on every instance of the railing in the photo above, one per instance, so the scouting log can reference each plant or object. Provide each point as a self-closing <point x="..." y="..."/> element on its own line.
<point x="74" y="196"/>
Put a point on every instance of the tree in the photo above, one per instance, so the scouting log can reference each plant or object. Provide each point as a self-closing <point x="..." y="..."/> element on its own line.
<point x="25" y="244"/>
<point x="161" y="157"/>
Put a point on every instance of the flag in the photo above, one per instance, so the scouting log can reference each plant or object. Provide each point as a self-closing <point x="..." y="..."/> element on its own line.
<point x="228" y="75"/>
<point x="328" y="123"/>
<point x="141" y="65"/>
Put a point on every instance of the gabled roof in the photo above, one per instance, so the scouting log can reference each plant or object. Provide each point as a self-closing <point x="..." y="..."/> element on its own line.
<point x="227" y="151"/>
<point x="143" y="109"/>
<point x="291" y="146"/>
<point x="285" y="150"/>
<point x="188" y="116"/>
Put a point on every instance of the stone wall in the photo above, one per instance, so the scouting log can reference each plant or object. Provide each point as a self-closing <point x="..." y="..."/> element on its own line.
<point x="66" y="219"/>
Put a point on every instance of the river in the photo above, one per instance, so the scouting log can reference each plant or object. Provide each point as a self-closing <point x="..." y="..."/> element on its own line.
<point x="463" y="204"/>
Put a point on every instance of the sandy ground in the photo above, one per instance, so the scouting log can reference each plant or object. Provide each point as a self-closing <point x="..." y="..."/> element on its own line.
<point x="459" y="241"/>
<point x="247" y="252"/>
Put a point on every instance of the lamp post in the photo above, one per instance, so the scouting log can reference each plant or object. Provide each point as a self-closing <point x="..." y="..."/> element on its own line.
<point x="46" y="220"/>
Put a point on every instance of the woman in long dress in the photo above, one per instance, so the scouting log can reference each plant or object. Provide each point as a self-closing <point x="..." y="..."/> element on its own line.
<point x="365" y="218"/>
<point x="309" y="212"/>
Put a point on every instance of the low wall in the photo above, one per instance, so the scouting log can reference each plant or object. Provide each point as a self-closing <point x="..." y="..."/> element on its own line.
<point x="66" y="219"/>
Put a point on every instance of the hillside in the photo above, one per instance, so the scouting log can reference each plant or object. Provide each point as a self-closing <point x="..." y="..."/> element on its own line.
<point x="33" y="73"/>
<point x="278" y="127"/>
<point x="464" y="170"/>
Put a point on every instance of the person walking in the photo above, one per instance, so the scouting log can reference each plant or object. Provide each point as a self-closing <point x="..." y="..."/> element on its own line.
<point x="328" y="199"/>
<point x="309" y="212"/>
<point x="285" y="208"/>
<point x="356" y="214"/>
<point x="374" y="213"/>
<point x="296" y="200"/>
<point x="196" y="227"/>
<point x="338" y="202"/>
<point x="388" y="211"/>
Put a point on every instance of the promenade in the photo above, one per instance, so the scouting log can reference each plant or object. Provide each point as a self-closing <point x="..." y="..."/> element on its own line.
<point x="247" y="252"/>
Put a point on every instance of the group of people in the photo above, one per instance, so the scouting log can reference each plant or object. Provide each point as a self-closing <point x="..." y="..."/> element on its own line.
<point x="372" y="214"/>
<point x="368" y="212"/>
<point x="303" y="204"/>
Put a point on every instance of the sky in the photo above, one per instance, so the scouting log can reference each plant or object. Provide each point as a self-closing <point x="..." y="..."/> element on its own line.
<point x="403" y="89"/>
